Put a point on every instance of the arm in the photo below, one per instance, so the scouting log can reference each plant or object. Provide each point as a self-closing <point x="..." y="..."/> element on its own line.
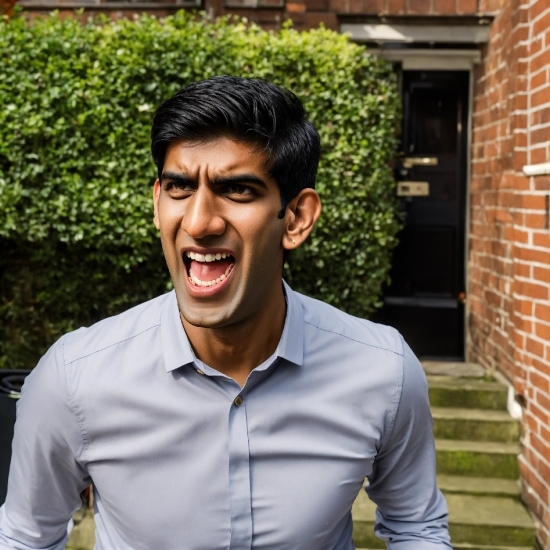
<point x="45" y="477"/>
<point x="412" y="512"/>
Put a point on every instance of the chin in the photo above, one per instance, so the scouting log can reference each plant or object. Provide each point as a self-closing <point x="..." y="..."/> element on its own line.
<point x="206" y="317"/>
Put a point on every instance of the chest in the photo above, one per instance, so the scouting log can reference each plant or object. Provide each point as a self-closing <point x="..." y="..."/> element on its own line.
<point x="283" y="466"/>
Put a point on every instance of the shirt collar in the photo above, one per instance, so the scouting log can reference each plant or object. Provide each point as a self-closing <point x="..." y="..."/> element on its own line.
<point x="291" y="344"/>
<point x="177" y="350"/>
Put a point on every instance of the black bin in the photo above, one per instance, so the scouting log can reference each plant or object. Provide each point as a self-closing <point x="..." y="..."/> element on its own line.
<point x="10" y="391"/>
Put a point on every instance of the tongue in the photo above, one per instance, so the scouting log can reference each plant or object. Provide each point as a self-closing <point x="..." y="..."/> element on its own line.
<point x="209" y="271"/>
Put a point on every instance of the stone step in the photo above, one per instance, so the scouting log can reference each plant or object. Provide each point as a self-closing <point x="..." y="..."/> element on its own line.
<point x="480" y="486"/>
<point x="477" y="458"/>
<point x="474" y="424"/>
<point x="468" y="393"/>
<point x="454" y="369"/>
<point x="458" y="546"/>
<point x="82" y="537"/>
<point x="474" y="520"/>
<point x="466" y="546"/>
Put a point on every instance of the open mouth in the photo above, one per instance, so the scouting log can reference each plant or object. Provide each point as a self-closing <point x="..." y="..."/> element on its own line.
<point x="204" y="270"/>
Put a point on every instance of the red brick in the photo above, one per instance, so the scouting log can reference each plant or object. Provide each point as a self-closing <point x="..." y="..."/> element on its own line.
<point x="355" y="6"/>
<point x="541" y="96"/>
<point x="538" y="79"/>
<point x="541" y="384"/>
<point x="535" y="221"/>
<point x="541" y="60"/>
<point x="525" y="307"/>
<point x="314" y="19"/>
<point x="295" y="7"/>
<point x="542" y="311"/>
<point x="467" y="6"/>
<point x="537" y="8"/>
<point x="397" y="7"/>
<point x="317" y="5"/>
<point x="539" y="413"/>
<point x="542" y="330"/>
<point x="444" y="7"/>
<point x="541" y="25"/>
<point x="542" y="183"/>
<point x="532" y="202"/>
<point x="419" y="6"/>
<point x="533" y="255"/>
<point x="338" y="6"/>
<point x="541" y="239"/>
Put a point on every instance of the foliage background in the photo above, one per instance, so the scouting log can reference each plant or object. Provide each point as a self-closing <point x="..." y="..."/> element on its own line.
<point x="77" y="241"/>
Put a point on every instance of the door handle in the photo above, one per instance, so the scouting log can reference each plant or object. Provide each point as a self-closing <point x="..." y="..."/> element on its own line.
<point x="409" y="162"/>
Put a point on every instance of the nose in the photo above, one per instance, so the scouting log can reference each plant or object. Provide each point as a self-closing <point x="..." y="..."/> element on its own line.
<point x="202" y="217"/>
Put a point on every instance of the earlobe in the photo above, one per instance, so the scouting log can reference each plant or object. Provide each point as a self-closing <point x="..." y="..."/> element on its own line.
<point x="301" y="214"/>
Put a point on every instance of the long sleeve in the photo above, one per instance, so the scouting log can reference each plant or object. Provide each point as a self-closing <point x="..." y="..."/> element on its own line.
<point x="412" y="512"/>
<point x="45" y="477"/>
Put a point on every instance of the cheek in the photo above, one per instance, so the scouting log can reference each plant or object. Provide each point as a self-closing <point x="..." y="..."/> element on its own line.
<point x="266" y="239"/>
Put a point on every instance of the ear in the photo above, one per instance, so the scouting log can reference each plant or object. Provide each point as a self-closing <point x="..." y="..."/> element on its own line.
<point x="301" y="214"/>
<point x="156" y="195"/>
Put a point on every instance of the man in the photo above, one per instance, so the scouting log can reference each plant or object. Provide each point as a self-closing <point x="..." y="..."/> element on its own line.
<point x="231" y="412"/>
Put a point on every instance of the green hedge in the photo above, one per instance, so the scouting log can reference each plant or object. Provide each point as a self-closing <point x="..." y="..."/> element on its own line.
<point x="77" y="241"/>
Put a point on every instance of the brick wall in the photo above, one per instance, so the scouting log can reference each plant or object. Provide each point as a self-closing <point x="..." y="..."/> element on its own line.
<point x="509" y="254"/>
<point x="270" y="14"/>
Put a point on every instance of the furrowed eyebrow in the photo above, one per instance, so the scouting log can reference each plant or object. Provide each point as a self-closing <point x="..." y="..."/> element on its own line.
<point x="239" y="178"/>
<point x="176" y="178"/>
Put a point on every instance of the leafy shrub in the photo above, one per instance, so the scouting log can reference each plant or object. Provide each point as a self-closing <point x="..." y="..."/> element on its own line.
<point x="77" y="241"/>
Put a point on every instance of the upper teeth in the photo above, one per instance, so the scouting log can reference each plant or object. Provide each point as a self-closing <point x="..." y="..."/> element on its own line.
<point x="206" y="257"/>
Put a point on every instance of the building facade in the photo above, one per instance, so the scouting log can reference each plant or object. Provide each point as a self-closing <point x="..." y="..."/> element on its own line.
<point x="474" y="179"/>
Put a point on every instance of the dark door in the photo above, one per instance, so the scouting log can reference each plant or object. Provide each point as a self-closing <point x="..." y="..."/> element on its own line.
<point x="425" y="298"/>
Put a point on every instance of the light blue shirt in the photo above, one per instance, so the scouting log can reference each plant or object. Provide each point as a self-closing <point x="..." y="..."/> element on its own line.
<point x="183" y="458"/>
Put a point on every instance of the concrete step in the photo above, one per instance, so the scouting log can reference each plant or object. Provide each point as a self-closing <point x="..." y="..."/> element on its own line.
<point x="478" y="486"/>
<point x="474" y="520"/>
<point x="82" y="536"/>
<point x="459" y="546"/>
<point x="474" y="424"/>
<point x="466" y="546"/>
<point x="477" y="458"/>
<point x="454" y="369"/>
<point x="471" y="393"/>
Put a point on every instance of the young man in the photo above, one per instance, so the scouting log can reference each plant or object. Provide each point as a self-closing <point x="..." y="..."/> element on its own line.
<point x="232" y="412"/>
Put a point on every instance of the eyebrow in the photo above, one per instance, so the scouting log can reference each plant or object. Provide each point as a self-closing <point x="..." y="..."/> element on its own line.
<point x="179" y="178"/>
<point x="239" y="178"/>
<point x="217" y="180"/>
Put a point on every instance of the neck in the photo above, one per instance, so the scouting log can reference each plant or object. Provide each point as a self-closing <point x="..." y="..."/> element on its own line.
<point x="237" y="349"/>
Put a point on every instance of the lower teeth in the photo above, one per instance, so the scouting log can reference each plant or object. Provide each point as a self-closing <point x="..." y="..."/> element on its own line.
<point x="197" y="282"/>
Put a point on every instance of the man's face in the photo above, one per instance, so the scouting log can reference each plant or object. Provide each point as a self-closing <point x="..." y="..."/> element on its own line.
<point x="216" y="208"/>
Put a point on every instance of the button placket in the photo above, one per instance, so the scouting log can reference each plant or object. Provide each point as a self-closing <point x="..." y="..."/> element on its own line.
<point x="239" y="476"/>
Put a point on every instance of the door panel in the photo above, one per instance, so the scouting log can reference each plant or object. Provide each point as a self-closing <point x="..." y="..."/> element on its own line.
<point x="424" y="299"/>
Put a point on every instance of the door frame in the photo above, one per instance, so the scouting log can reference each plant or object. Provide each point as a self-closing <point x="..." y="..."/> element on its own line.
<point x="419" y="59"/>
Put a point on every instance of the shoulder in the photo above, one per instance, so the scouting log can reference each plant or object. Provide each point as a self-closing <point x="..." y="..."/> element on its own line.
<point x="113" y="331"/>
<point x="325" y="318"/>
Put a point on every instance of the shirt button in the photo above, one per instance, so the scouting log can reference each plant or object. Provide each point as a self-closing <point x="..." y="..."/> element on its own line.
<point x="200" y="371"/>
<point x="238" y="401"/>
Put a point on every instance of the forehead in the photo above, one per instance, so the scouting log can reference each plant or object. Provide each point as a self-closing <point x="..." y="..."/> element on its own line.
<point x="220" y="155"/>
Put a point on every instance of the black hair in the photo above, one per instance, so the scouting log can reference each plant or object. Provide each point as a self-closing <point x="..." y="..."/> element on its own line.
<point x="248" y="109"/>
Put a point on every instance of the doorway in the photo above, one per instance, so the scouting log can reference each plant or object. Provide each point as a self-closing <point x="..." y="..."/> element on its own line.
<point x="425" y="299"/>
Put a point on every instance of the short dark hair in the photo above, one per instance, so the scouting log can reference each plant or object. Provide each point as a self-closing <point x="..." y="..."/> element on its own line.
<point x="247" y="109"/>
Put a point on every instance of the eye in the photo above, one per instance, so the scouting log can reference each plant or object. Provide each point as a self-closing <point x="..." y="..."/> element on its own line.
<point x="180" y="188"/>
<point x="238" y="191"/>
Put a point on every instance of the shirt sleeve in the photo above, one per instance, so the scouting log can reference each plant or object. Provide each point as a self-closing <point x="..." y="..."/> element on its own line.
<point x="46" y="477"/>
<point x="412" y="512"/>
